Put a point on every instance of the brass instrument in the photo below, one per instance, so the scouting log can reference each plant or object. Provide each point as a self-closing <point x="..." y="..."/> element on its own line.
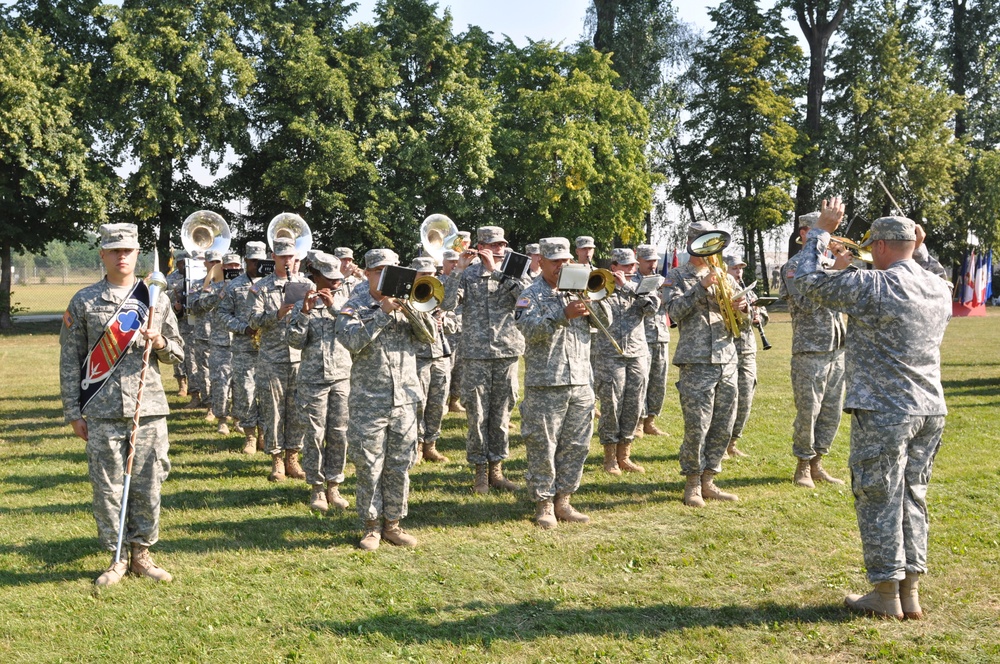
<point x="293" y="227"/>
<point x="202" y="231"/>
<point x="425" y="296"/>
<point x="859" y="252"/>
<point x="439" y="233"/>
<point x="600" y="284"/>
<point x="709" y="245"/>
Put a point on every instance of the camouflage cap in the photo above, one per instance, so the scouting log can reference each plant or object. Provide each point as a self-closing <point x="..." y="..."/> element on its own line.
<point x="229" y="259"/>
<point x="344" y="252"/>
<point x="423" y="264"/>
<point x="554" y="248"/>
<point x="255" y="251"/>
<point x="532" y="249"/>
<point x="734" y="260"/>
<point x="697" y="228"/>
<point x="585" y="242"/>
<point x="213" y="256"/>
<point x="450" y="255"/>
<point x="326" y="264"/>
<point x="489" y="235"/>
<point x="808" y="220"/>
<point x="180" y="255"/>
<point x="380" y="258"/>
<point x="284" y="246"/>
<point x="892" y="228"/>
<point x="119" y="236"/>
<point x="623" y="256"/>
<point x="646" y="252"/>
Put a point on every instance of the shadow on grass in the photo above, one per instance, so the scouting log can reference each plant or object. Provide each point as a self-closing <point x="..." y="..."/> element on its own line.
<point x="35" y="483"/>
<point x="539" y="619"/>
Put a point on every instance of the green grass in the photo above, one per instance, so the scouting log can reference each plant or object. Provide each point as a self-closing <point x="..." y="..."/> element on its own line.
<point x="35" y="299"/>
<point x="258" y="578"/>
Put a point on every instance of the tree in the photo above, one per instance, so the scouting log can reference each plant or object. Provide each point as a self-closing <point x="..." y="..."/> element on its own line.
<point x="51" y="187"/>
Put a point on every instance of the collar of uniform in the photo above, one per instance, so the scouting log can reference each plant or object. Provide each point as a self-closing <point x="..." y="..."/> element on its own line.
<point x="109" y="294"/>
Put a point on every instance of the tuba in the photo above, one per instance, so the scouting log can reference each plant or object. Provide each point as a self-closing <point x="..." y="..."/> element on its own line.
<point x="202" y="231"/>
<point x="709" y="245"/>
<point x="293" y="227"/>
<point x="438" y="233"/>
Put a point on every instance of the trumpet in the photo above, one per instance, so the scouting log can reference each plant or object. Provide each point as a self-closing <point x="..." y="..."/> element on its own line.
<point x="709" y="245"/>
<point x="861" y="253"/>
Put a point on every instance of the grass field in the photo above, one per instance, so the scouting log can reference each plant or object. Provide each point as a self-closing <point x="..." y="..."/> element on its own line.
<point x="260" y="579"/>
<point x="33" y="299"/>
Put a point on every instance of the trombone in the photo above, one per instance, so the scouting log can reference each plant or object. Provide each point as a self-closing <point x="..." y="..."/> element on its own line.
<point x="425" y="296"/>
<point x="709" y="245"/>
<point x="600" y="284"/>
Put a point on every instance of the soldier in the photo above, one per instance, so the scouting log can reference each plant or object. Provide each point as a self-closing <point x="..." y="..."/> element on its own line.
<point x="657" y="341"/>
<point x="534" y="267"/>
<point x="434" y="370"/>
<point x="898" y="314"/>
<point x="585" y="249"/>
<point x="323" y="384"/>
<point x="277" y="363"/>
<point x="202" y="324"/>
<point x="706" y="360"/>
<point x="186" y="322"/>
<point x="491" y="344"/>
<point x="557" y="418"/>
<point x="176" y="287"/>
<point x="233" y="313"/>
<point x="353" y="276"/>
<point x="448" y="264"/>
<point x="622" y="388"/>
<point x="100" y="406"/>
<point x="817" y="371"/>
<point x="385" y="396"/>
<point x="746" y="353"/>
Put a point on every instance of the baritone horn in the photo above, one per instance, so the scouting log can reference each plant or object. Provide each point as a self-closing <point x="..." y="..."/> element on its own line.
<point x="290" y="226"/>
<point x="439" y="233"/>
<point x="709" y="245"/>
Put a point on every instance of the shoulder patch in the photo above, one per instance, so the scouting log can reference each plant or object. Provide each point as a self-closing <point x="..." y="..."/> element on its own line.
<point x="347" y="311"/>
<point x="523" y="302"/>
<point x="790" y="273"/>
<point x="254" y="289"/>
<point x="68" y="319"/>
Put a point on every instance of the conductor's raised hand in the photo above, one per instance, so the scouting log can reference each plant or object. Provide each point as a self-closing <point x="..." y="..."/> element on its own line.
<point x="921" y="235"/>
<point x="830" y="214"/>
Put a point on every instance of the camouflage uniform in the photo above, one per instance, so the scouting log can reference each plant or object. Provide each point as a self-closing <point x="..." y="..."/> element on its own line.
<point x="658" y="343"/>
<point x="109" y="414"/>
<point x="385" y="395"/>
<point x="746" y="352"/>
<point x="277" y="365"/>
<point x="177" y="292"/>
<point x="220" y="357"/>
<point x="175" y="286"/>
<point x="491" y="345"/>
<point x="817" y="368"/>
<point x="434" y="371"/>
<point x="706" y="359"/>
<point x="201" y="325"/>
<point x="557" y="414"/>
<point x="233" y="313"/>
<point x="898" y="317"/>
<point x="323" y="387"/>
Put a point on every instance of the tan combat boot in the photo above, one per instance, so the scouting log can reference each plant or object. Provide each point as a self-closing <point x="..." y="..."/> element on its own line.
<point x="277" y="468"/>
<point x="649" y="426"/>
<point x="623" y="452"/>
<point x="431" y="454"/>
<point x="692" y="491"/>
<point x="637" y="432"/>
<point x="565" y="512"/>
<point x="333" y="497"/>
<point x="545" y="515"/>
<point x="611" y="459"/>
<point x="223" y="426"/>
<point x="142" y="564"/>
<point x="803" y="476"/>
<point x="496" y="478"/>
<point x="909" y="600"/>
<point x="734" y="451"/>
<point x="482" y="483"/>
<point x="454" y="405"/>
<point x="882" y="601"/>
<point x="711" y="492"/>
<point x="260" y="439"/>
<point x="393" y="534"/>
<point x="420" y="453"/>
<point x="210" y="416"/>
<point x="292" y="467"/>
<point x="371" y="538"/>
<point x="195" y="401"/>
<point x="817" y="472"/>
<point x="182" y="386"/>
<point x="249" y="442"/>
<point x="113" y="574"/>
<point x="317" y="502"/>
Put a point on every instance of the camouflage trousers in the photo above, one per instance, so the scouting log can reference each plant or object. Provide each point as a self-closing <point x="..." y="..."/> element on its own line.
<point x="244" y="390"/>
<point x="656" y="383"/>
<point x="382" y="445"/>
<point x="556" y="426"/>
<point x="200" y="367"/>
<point x="891" y="459"/>
<point x="434" y="378"/>
<point x="180" y="370"/>
<point x="107" y="446"/>
<point x="708" y="394"/>
<point x="220" y="371"/>
<point x="818" y="391"/>
<point x="489" y="392"/>
<point x="276" y="399"/>
<point x="323" y="413"/>
<point x="747" y="383"/>
<point x="455" y="385"/>
<point x="196" y="381"/>
<point x="622" y="391"/>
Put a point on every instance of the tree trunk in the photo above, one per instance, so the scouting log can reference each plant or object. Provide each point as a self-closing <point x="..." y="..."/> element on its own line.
<point x="960" y="60"/>
<point x="763" y="263"/>
<point x="607" y="13"/>
<point x="5" y="302"/>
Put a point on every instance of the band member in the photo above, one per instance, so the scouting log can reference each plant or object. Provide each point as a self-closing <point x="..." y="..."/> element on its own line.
<point x="585" y="249"/>
<point x="233" y="313"/>
<point x="535" y="253"/>
<point x="202" y="324"/>
<point x="353" y="275"/>
<point x="277" y="363"/>
<point x="491" y="344"/>
<point x="746" y="353"/>
<point x="706" y="360"/>
<point x="448" y="264"/>
<point x="434" y="370"/>
<point x="385" y="396"/>
<point x="186" y="321"/>
<point x="622" y="388"/>
<point x="818" y="334"/>
<point x="176" y="287"/>
<point x="104" y="330"/>
<point x="898" y="313"/>
<point x="323" y="384"/>
<point x="557" y="419"/>
<point x="657" y="342"/>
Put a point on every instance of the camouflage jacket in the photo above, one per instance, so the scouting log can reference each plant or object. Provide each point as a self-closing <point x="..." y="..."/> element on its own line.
<point x="445" y="326"/>
<point x="267" y="296"/>
<point x="383" y="352"/>
<point x="746" y="343"/>
<point x="897" y="320"/>
<point x="88" y="313"/>
<point x="815" y="328"/>
<point x="233" y="313"/>
<point x="703" y="336"/>
<point x="207" y="305"/>
<point x="658" y="325"/>
<point x="629" y="313"/>
<point x="487" y="299"/>
<point x="324" y="358"/>
<point x="175" y="291"/>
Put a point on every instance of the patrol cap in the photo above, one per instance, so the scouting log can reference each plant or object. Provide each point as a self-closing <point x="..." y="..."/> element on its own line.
<point x="697" y="228"/>
<point x="645" y="252"/>
<point x="808" y="220"/>
<point x="450" y="255"/>
<point x="344" y="252"/>
<point x="312" y="254"/>
<point x="180" y="255"/>
<point x="119" y="236"/>
<point x="231" y="258"/>
<point x="892" y="228"/>
<point x="623" y="256"/>
<point x="734" y="260"/>
<point x="326" y="264"/>
<point x="532" y="249"/>
<point x="554" y="248"/>
<point x="423" y="264"/>
<point x="284" y="246"/>
<point x="585" y="242"/>
<point x="213" y="256"/>
<point x="489" y="235"/>
<point x="380" y="257"/>
<point x="255" y="251"/>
